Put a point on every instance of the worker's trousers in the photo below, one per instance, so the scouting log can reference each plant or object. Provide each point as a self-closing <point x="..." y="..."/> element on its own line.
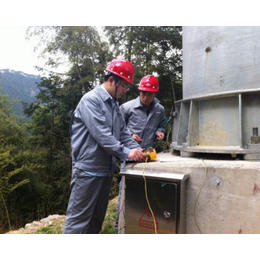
<point x="88" y="203"/>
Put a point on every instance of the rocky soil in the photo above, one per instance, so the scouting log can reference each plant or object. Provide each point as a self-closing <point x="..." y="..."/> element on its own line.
<point x="54" y="223"/>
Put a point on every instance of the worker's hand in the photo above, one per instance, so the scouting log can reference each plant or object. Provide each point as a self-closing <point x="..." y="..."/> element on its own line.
<point x="159" y="136"/>
<point x="137" y="138"/>
<point x="136" y="154"/>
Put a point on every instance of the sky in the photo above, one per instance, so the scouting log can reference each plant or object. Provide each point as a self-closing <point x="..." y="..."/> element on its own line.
<point x="16" y="52"/>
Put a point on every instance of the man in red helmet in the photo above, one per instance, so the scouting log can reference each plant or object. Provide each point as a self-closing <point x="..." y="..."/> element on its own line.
<point x="98" y="138"/>
<point x="145" y="116"/>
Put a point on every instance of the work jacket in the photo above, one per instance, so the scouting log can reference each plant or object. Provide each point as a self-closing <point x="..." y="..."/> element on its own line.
<point x="98" y="133"/>
<point x="138" y="121"/>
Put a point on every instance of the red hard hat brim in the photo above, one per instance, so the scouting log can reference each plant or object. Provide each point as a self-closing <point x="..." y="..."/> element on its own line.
<point x="148" y="89"/>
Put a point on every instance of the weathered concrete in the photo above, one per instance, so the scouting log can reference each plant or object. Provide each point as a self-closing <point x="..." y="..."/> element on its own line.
<point x="223" y="196"/>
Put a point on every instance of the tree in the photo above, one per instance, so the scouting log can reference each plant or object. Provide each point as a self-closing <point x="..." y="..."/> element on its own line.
<point x="152" y="49"/>
<point x="10" y="149"/>
<point x="58" y="97"/>
<point x="50" y="120"/>
<point x="83" y="48"/>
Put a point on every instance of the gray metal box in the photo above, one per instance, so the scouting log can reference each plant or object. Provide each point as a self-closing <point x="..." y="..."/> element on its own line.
<point x="166" y="194"/>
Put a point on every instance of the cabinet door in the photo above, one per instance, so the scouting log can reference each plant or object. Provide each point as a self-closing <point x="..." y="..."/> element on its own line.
<point x="162" y="196"/>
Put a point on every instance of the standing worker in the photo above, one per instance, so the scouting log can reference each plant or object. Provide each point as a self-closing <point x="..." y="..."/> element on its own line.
<point x="145" y="118"/>
<point x="98" y="138"/>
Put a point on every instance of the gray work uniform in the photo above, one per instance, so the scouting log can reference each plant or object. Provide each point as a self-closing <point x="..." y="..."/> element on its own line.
<point x="144" y="123"/>
<point x="98" y="138"/>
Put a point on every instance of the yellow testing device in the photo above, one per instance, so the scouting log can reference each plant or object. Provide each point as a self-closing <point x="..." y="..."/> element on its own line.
<point x="150" y="154"/>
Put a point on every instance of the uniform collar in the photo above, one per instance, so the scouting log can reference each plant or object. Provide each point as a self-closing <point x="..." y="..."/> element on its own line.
<point x="138" y="102"/>
<point x="103" y="93"/>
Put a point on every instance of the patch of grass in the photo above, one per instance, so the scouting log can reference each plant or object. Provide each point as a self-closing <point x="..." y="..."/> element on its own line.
<point x="56" y="227"/>
<point x="51" y="229"/>
<point x="110" y="218"/>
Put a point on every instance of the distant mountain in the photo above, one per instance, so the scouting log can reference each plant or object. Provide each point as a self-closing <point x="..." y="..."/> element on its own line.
<point x="19" y="86"/>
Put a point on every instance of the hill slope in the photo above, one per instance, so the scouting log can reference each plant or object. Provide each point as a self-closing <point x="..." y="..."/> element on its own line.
<point x="54" y="224"/>
<point x="19" y="87"/>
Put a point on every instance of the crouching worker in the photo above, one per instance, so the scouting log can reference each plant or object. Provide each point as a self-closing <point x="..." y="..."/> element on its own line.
<point x="98" y="138"/>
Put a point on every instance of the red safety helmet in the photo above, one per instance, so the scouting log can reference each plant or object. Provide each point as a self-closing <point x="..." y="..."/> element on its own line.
<point x="149" y="83"/>
<point x="122" y="68"/>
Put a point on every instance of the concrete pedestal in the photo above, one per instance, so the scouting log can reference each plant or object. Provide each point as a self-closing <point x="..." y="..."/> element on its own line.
<point x="223" y="196"/>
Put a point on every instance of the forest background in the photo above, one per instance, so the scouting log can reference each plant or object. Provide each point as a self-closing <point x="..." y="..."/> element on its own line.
<point x="35" y="161"/>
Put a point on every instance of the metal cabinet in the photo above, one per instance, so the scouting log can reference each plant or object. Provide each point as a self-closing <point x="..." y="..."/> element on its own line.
<point x="165" y="193"/>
